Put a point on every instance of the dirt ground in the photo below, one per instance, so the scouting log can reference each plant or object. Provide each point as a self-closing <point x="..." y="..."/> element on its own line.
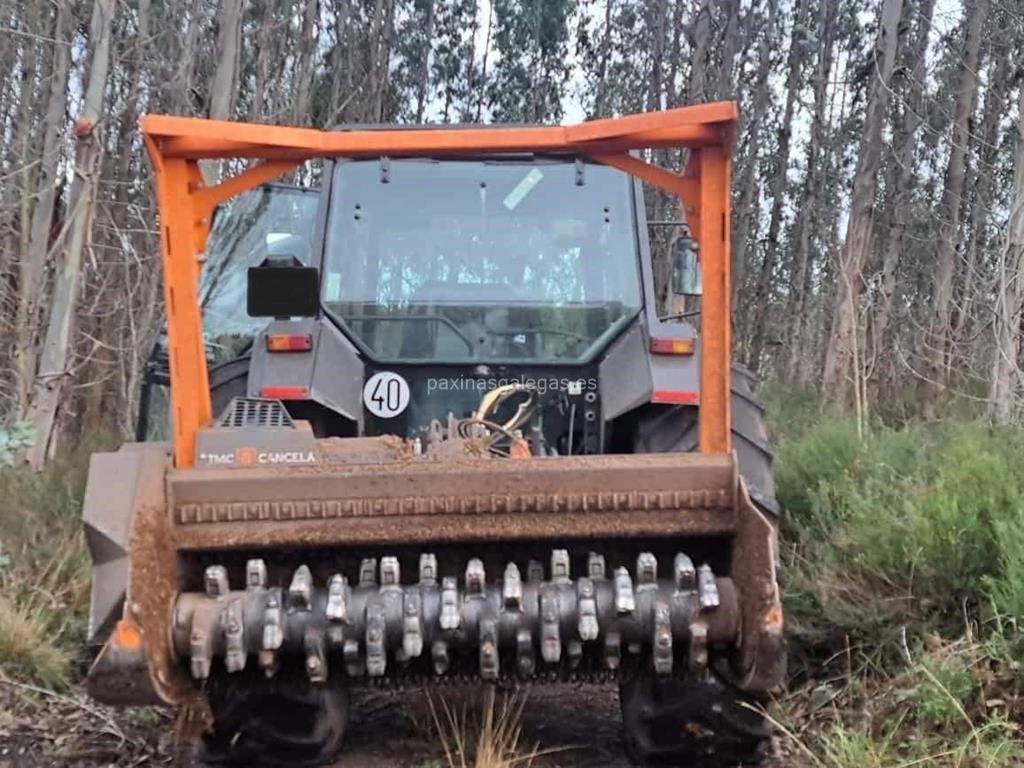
<point x="568" y="725"/>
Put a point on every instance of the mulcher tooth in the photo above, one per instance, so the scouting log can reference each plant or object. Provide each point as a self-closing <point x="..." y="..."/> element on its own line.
<point x="587" y="625"/>
<point x="683" y="573"/>
<point x="512" y="588"/>
<point x="488" y="650"/>
<point x="215" y="580"/>
<point x="316" y="659"/>
<point x="476" y="579"/>
<point x="595" y="566"/>
<point x="412" y="626"/>
<point x="560" y="566"/>
<point x="451" y="617"/>
<point x="535" y="571"/>
<point x="354" y="666"/>
<point x="708" y="588"/>
<point x="338" y="597"/>
<point x="255" y="574"/>
<point x="574" y="650"/>
<point x="428" y="569"/>
<point x="646" y="569"/>
<point x="439" y="654"/>
<point x="698" y="646"/>
<point x="625" y="600"/>
<point x="612" y="650"/>
<point x="662" y="639"/>
<point x="301" y="588"/>
<point x="390" y="574"/>
<point x="234" y="637"/>
<point x="550" y="639"/>
<point x="368" y="572"/>
<point x="273" y="634"/>
<point x="268" y="663"/>
<point x="376" y="653"/>
<point x="201" y="646"/>
<point x="525" y="659"/>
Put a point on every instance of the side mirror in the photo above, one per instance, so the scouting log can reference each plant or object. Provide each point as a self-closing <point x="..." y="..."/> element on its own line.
<point x="686" y="279"/>
<point x="282" y="287"/>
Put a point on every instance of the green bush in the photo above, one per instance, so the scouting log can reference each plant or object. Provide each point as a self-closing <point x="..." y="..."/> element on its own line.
<point x="905" y="522"/>
<point x="13" y="439"/>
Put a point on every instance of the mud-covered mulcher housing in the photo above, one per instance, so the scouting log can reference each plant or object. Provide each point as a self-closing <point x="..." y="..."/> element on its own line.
<point x="267" y="556"/>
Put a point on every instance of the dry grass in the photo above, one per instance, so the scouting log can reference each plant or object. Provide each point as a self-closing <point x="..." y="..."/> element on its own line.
<point x="25" y="649"/>
<point x="483" y="734"/>
<point x="44" y="572"/>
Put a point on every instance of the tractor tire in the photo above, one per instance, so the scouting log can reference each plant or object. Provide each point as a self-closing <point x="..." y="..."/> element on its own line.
<point x="674" y="430"/>
<point x="285" y="722"/>
<point x="228" y="380"/>
<point x="703" y="723"/>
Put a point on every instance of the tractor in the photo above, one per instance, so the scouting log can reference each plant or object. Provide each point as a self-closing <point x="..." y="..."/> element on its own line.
<point x="423" y="417"/>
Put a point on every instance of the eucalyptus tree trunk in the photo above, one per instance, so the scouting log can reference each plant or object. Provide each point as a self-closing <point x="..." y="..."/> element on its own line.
<point x="981" y="197"/>
<point x="758" y="311"/>
<point x="229" y="33"/>
<point x="747" y="182"/>
<point x="948" y="234"/>
<point x="696" y="91"/>
<point x="32" y="267"/>
<point x="842" y="341"/>
<point x="1009" y="310"/>
<point x="904" y="174"/>
<point x="809" y="211"/>
<point x="52" y="373"/>
<point x="423" y="76"/>
<point x="730" y="43"/>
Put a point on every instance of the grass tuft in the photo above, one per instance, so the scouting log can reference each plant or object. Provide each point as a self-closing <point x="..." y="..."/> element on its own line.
<point x="26" y="652"/>
<point x="44" y="570"/>
<point x="485" y="736"/>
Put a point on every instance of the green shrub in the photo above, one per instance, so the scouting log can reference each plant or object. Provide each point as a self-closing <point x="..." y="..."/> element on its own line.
<point x="15" y="438"/>
<point x="902" y="523"/>
<point x="943" y="689"/>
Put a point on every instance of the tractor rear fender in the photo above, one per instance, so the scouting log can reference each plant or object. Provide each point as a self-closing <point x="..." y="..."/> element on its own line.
<point x="330" y="374"/>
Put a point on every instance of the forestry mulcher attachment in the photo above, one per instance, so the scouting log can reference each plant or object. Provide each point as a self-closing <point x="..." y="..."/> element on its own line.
<point x="459" y="444"/>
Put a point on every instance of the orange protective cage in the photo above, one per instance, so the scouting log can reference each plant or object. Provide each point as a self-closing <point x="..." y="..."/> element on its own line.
<point x="176" y="144"/>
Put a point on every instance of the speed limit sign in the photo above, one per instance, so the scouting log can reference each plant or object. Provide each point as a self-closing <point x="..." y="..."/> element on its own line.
<point x="386" y="394"/>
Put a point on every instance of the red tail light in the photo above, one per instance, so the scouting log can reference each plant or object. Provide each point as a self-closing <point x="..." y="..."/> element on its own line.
<point x="672" y="346"/>
<point x="285" y="343"/>
<point x="285" y="393"/>
<point x="675" y="397"/>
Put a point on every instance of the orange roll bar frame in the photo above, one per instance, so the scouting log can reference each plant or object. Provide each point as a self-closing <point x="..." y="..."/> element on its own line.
<point x="186" y="204"/>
